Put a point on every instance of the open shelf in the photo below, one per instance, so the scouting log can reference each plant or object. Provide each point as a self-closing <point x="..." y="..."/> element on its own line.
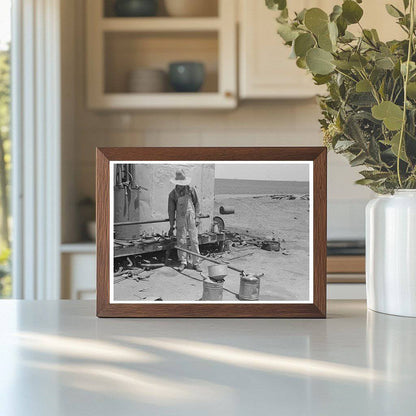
<point x="160" y="24"/>
<point x="116" y="46"/>
<point x="127" y="51"/>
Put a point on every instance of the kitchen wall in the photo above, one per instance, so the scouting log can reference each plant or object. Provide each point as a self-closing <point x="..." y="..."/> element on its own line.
<point x="254" y="123"/>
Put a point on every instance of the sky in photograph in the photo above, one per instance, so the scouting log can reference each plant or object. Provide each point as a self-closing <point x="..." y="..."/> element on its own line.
<point x="264" y="171"/>
<point x="5" y="19"/>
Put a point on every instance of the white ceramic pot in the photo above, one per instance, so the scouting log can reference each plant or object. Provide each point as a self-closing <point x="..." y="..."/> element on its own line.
<point x="391" y="253"/>
<point x="191" y="8"/>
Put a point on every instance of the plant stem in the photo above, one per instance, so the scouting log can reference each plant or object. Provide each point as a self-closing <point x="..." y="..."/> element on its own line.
<point x="345" y="75"/>
<point x="406" y="80"/>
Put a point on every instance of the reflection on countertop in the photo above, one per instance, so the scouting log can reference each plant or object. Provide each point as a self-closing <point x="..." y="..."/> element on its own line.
<point x="58" y="358"/>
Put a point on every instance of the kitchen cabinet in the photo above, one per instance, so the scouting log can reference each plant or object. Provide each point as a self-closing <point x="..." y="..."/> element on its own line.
<point x="116" y="46"/>
<point x="265" y="70"/>
<point x="78" y="271"/>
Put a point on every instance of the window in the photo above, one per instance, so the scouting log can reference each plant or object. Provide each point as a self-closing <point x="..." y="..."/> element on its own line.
<point x="5" y="147"/>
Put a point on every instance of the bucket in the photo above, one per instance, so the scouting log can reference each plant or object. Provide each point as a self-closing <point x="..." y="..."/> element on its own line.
<point x="249" y="288"/>
<point x="217" y="272"/>
<point x="212" y="290"/>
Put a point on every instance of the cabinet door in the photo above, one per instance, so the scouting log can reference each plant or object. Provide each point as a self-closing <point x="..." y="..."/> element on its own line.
<point x="265" y="68"/>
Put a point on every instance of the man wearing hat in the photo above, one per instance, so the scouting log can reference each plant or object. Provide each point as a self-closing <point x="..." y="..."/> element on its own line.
<point x="183" y="207"/>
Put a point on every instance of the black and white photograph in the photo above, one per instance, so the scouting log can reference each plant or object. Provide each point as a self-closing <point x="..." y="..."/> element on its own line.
<point x="211" y="232"/>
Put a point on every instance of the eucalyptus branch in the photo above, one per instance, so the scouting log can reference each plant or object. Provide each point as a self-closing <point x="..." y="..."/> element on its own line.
<point x="405" y="81"/>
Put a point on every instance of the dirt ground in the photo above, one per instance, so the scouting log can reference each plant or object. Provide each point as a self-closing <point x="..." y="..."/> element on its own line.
<point x="286" y="273"/>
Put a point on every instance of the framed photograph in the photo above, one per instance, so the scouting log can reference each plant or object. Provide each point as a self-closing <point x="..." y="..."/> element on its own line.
<point x="211" y="232"/>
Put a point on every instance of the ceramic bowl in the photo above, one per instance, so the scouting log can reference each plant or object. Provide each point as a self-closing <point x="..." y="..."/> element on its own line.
<point x="135" y="8"/>
<point x="147" y="80"/>
<point x="186" y="76"/>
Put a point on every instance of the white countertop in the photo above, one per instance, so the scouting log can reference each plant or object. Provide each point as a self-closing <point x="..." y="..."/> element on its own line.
<point x="58" y="359"/>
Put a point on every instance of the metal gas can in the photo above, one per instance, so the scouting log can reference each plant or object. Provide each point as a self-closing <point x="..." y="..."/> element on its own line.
<point x="212" y="290"/>
<point x="249" y="287"/>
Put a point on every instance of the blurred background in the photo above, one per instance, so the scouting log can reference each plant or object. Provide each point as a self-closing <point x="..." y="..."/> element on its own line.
<point x="100" y="73"/>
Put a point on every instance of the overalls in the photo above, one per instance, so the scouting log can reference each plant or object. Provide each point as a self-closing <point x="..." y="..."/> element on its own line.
<point x="185" y="222"/>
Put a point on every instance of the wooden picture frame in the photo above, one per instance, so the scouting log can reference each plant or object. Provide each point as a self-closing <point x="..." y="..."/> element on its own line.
<point x="316" y="308"/>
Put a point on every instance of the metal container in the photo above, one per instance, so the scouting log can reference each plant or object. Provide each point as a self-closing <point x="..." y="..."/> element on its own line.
<point x="212" y="290"/>
<point x="147" y="196"/>
<point x="226" y="210"/>
<point x="217" y="272"/>
<point x="249" y="287"/>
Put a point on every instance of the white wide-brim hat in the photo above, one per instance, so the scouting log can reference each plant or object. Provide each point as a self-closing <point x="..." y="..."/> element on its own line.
<point x="181" y="178"/>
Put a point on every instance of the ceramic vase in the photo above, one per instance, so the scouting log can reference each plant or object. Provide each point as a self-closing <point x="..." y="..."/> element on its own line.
<point x="391" y="253"/>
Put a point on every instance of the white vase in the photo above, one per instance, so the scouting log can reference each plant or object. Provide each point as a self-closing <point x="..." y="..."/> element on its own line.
<point x="391" y="253"/>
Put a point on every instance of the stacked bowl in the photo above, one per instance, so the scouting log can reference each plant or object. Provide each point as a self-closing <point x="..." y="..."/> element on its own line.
<point x="147" y="80"/>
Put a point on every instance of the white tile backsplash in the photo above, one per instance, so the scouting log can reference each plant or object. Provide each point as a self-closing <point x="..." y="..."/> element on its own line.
<point x="285" y="123"/>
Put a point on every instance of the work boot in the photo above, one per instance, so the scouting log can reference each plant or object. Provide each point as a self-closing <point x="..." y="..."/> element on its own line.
<point x="181" y="268"/>
<point x="197" y="268"/>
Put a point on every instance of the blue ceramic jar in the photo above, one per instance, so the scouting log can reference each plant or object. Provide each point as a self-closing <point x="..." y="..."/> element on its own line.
<point x="186" y="76"/>
<point x="136" y="8"/>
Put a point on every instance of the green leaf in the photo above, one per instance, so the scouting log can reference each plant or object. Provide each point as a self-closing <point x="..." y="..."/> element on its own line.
<point x="406" y="4"/>
<point x="319" y="61"/>
<point x="390" y="113"/>
<point x="325" y="42"/>
<point x="286" y="32"/>
<point x="385" y="63"/>
<point x="364" y="181"/>
<point x="374" y="175"/>
<point x="411" y="90"/>
<point x="358" y="160"/>
<point x="276" y="4"/>
<point x="361" y="99"/>
<point x="368" y="36"/>
<point x="412" y="67"/>
<point x="303" y="43"/>
<point x="301" y="63"/>
<point x="336" y="12"/>
<point x="375" y="35"/>
<point x="374" y="150"/>
<point x="363" y="86"/>
<point x="321" y="79"/>
<point x="316" y="20"/>
<point x="393" y="11"/>
<point x="343" y="145"/>
<point x="348" y="37"/>
<point x="342" y="25"/>
<point x="343" y="65"/>
<point x="358" y="61"/>
<point x="300" y="17"/>
<point x="394" y="145"/>
<point x="351" y="11"/>
<point x="333" y="32"/>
